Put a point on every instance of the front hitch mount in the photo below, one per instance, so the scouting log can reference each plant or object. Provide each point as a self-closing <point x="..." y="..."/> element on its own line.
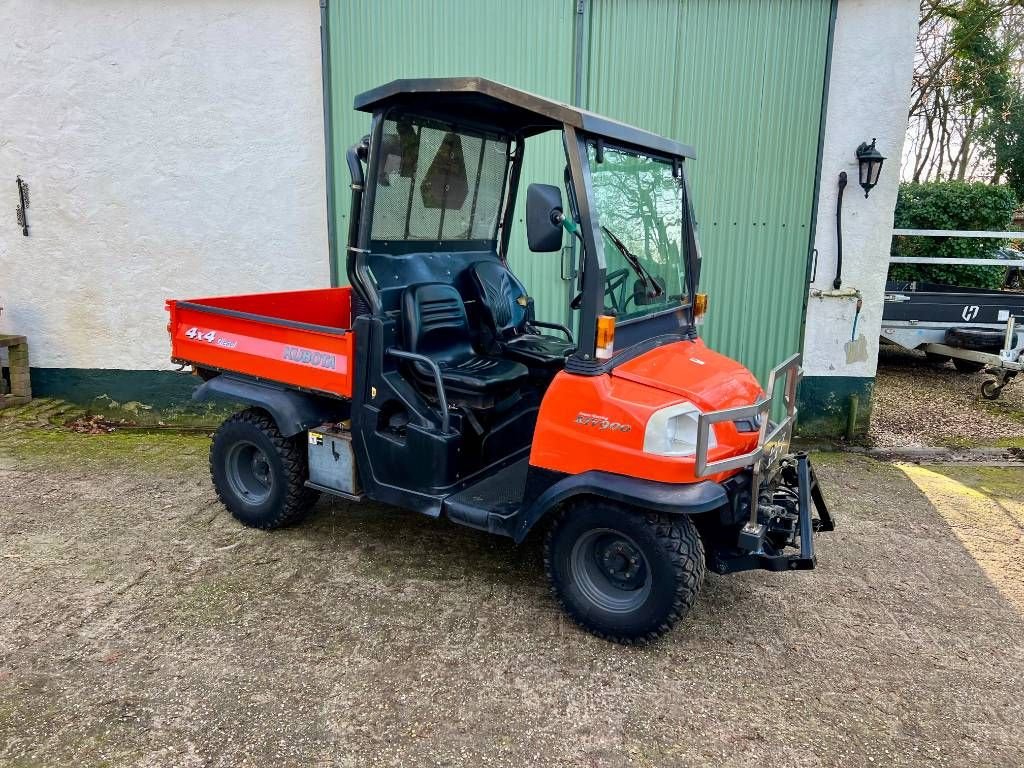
<point x="785" y="520"/>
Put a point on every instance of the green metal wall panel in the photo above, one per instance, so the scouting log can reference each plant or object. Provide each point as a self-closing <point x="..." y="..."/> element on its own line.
<point x="742" y="81"/>
<point x="527" y="44"/>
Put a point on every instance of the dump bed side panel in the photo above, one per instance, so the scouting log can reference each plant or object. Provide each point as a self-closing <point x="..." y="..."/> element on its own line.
<point x="290" y="349"/>
<point x="329" y="307"/>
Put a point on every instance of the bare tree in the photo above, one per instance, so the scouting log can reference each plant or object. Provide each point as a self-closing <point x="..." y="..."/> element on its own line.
<point x="965" y="50"/>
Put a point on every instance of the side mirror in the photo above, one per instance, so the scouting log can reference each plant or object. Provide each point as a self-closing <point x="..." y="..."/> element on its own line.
<point x="544" y="218"/>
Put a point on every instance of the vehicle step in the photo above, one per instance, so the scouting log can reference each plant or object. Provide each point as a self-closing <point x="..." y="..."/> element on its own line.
<point x="497" y="497"/>
<point x="334" y="491"/>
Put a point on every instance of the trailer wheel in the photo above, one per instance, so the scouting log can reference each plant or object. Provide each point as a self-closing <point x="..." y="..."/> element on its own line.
<point x="260" y="475"/>
<point x="991" y="389"/>
<point x="967" y="366"/>
<point x="623" y="575"/>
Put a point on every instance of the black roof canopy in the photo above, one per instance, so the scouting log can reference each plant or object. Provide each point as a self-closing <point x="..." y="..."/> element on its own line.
<point x="507" y="110"/>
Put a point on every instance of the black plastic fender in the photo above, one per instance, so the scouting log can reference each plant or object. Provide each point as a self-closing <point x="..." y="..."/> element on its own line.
<point x="667" y="498"/>
<point x="293" y="411"/>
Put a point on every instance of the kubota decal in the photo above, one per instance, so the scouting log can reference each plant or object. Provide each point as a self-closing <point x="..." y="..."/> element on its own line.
<point x="310" y="357"/>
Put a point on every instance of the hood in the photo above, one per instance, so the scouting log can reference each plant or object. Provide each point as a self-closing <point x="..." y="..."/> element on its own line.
<point x="689" y="369"/>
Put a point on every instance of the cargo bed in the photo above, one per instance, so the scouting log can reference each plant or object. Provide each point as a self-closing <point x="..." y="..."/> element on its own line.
<point x="301" y="338"/>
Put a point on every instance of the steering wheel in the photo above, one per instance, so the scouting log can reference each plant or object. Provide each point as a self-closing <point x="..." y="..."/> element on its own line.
<point x="614" y="281"/>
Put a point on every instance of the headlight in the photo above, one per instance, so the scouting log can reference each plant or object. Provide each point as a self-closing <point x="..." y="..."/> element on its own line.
<point x="672" y="431"/>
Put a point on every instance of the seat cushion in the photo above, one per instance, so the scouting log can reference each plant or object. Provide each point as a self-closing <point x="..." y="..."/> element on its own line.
<point x="536" y="350"/>
<point x="436" y="326"/>
<point x="476" y="374"/>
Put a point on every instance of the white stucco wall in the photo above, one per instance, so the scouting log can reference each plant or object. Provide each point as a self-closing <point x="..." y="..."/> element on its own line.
<point x="869" y="90"/>
<point x="173" y="149"/>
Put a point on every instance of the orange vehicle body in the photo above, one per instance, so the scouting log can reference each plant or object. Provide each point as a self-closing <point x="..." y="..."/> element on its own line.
<point x="598" y="422"/>
<point x="303" y="339"/>
<point x="300" y="338"/>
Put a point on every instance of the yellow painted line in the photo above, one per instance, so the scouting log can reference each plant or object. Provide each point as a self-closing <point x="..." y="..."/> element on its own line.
<point x="989" y="525"/>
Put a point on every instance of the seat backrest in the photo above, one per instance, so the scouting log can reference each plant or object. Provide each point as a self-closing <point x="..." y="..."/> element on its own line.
<point x="503" y="299"/>
<point x="435" y="321"/>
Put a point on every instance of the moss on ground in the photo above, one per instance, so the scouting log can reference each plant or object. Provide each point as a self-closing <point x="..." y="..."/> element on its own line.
<point x="169" y="450"/>
<point x="1003" y="482"/>
<point x="188" y="415"/>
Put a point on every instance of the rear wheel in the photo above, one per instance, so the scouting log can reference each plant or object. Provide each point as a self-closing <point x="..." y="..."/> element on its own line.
<point x="626" y="576"/>
<point x="967" y="366"/>
<point x="259" y="474"/>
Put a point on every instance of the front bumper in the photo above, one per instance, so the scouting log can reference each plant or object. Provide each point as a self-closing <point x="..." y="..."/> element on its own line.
<point x="782" y="486"/>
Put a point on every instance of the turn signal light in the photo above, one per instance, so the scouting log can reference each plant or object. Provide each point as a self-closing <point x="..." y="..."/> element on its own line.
<point x="700" y="307"/>
<point x="605" y="336"/>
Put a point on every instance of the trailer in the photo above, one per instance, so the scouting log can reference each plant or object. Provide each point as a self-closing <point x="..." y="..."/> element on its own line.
<point x="975" y="328"/>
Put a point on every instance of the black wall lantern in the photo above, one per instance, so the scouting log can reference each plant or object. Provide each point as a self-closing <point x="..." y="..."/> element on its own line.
<point x="870" y="160"/>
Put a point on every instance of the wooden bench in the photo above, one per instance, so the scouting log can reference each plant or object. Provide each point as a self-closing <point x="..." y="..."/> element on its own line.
<point x="21" y="386"/>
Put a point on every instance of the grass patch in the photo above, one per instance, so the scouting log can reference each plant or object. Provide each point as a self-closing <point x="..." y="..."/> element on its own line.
<point x="167" y="450"/>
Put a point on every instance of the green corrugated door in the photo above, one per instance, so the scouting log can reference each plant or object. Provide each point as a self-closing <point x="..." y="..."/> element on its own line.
<point x="527" y="44"/>
<point x="742" y="81"/>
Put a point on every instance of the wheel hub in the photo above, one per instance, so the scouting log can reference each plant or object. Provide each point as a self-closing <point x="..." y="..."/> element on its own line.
<point x="610" y="570"/>
<point x="261" y="468"/>
<point x="248" y="472"/>
<point x="620" y="561"/>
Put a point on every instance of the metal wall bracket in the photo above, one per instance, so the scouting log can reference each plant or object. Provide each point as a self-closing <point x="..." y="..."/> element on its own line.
<point x="23" y="204"/>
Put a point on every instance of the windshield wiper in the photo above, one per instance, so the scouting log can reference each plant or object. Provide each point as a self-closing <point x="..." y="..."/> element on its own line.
<point x="633" y="260"/>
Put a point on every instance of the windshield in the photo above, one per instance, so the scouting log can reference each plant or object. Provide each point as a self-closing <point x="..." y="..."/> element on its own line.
<point x="639" y="205"/>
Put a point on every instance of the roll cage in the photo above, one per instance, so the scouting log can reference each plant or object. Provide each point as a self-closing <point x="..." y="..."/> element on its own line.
<point x="482" y="105"/>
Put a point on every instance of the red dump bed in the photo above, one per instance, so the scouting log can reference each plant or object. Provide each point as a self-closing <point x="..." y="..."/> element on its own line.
<point x="301" y="338"/>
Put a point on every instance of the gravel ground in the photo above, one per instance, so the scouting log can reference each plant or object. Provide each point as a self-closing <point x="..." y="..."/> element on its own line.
<point x="140" y="625"/>
<point x="920" y="404"/>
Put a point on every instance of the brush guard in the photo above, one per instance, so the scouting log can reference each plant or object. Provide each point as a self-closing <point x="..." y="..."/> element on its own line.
<point x="783" y="486"/>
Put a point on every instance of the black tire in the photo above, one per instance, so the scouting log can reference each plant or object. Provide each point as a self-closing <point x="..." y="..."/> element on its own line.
<point x="636" y="603"/>
<point x="991" y="389"/>
<point x="980" y="339"/>
<point x="258" y="474"/>
<point x="967" y="366"/>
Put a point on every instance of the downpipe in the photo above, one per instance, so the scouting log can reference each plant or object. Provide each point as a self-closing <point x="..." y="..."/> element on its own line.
<point x="838" y="282"/>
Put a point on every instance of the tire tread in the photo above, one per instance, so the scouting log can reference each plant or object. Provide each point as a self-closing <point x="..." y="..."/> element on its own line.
<point x="298" y="499"/>
<point x="680" y="539"/>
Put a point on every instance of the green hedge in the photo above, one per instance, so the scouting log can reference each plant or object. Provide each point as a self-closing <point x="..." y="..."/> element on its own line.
<point x="952" y="205"/>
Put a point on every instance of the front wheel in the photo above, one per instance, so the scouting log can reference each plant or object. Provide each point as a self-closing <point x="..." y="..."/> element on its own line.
<point x="623" y="575"/>
<point x="259" y="474"/>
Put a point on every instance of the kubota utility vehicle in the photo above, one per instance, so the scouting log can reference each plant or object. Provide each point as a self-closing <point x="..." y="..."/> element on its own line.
<point x="642" y="455"/>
